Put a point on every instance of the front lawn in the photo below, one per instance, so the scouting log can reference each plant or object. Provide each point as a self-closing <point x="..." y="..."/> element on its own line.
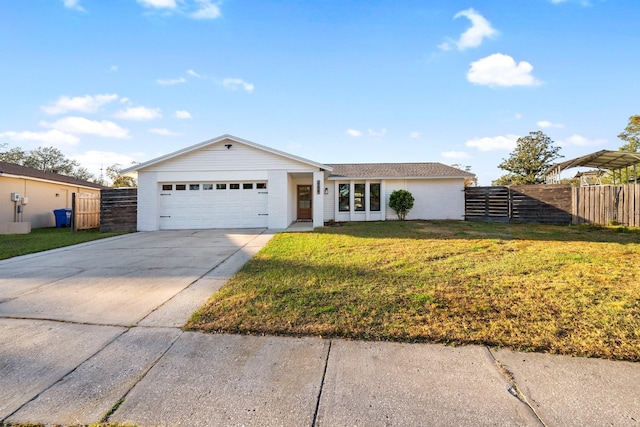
<point x="566" y="290"/>
<point x="42" y="239"/>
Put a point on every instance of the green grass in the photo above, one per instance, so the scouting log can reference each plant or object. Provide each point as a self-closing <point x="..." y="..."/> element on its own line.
<point x="42" y="239"/>
<point x="564" y="290"/>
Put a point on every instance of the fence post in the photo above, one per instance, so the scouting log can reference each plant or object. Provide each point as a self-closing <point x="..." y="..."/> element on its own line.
<point x="73" y="212"/>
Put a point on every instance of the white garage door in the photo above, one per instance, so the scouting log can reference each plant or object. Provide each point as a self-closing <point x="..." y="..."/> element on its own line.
<point x="213" y="205"/>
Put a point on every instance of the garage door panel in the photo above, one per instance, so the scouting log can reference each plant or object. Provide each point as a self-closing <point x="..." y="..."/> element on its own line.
<point x="197" y="209"/>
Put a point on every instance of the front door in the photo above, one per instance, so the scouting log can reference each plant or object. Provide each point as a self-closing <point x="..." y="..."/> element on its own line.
<point x="304" y="202"/>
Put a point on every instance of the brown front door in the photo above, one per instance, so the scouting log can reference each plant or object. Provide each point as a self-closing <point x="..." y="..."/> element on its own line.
<point x="304" y="202"/>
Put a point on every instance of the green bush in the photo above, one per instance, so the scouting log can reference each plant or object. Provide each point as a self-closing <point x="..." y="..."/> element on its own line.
<point x="401" y="201"/>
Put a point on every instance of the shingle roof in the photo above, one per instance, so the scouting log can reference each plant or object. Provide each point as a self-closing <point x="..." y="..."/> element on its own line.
<point x="397" y="170"/>
<point x="13" y="169"/>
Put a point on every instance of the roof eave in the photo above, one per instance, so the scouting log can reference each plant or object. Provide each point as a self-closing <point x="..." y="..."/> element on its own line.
<point x="195" y="147"/>
<point x="50" y="181"/>
<point x="338" y="178"/>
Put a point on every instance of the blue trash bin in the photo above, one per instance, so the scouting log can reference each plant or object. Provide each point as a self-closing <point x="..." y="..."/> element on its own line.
<point x="63" y="217"/>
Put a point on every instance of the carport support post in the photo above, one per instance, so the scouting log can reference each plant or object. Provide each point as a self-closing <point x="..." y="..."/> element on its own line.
<point x="318" y="199"/>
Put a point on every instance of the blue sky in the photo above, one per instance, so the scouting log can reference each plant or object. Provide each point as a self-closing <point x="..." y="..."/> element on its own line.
<point x="334" y="81"/>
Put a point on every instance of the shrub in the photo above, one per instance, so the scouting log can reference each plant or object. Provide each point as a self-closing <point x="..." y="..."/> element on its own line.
<point x="401" y="201"/>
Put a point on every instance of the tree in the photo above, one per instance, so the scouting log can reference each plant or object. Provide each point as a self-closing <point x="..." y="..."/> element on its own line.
<point x="631" y="135"/>
<point x="14" y="155"/>
<point x="118" y="180"/>
<point x="48" y="159"/>
<point x="401" y="201"/>
<point x="82" y="174"/>
<point x="533" y="155"/>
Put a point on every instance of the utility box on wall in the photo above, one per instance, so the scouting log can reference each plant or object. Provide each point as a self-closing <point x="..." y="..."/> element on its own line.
<point x="15" y="197"/>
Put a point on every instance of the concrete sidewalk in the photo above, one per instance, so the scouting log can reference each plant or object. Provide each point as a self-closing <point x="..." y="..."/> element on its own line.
<point x="64" y="365"/>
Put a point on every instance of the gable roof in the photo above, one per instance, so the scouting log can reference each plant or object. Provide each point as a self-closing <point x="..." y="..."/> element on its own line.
<point x="215" y="141"/>
<point x="26" y="172"/>
<point x="396" y="170"/>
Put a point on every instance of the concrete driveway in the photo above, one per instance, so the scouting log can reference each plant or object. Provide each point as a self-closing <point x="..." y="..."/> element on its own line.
<point x="93" y="332"/>
<point x="60" y="308"/>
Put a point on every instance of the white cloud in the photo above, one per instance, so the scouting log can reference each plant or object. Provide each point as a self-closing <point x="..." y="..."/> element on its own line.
<point x="379" y="134"/>
<point x="415" y="135"/>
<point x="53" y="137"/>
<point x="194" y="74"/>
<point x="169" y="82"/>
<point x="139" y="113"/>
<point x="547" y="124"/>
<point x="518" y="116"/>
<point x="206" y="10"/>
<point x="113" y="69"/>
<point x="75" y="125"/>
<point x="73" y="4"/>
<point x="163" y="131"/>
<point x="159" y="4"/>
<point x="501" y="70"/>
<point x="233" y="84"/>
<point x="455" y="155"/>
<point x="195" y="9"/>
<point x="354" y="132"/>
<point x="183" y="114"/>
<point x="83" y="104"/>
<point x="507" y="142"/>
<point x="479" y="30"/>
<point x="581" y="141"/>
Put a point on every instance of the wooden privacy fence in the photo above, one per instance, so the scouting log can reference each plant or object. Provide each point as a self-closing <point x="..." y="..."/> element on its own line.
<point x="119" y="209"/>
<point x="607" y="205"/>
<point x="543" y="204"/>
<point x="85" y="208"/>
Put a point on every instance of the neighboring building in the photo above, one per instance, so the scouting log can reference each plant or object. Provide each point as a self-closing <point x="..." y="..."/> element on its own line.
<point x="40" y="193"/>
<point x="228" y="182"/>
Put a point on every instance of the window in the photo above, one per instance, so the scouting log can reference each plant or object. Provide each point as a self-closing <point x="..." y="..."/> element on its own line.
<point x="221" y="186"/>
<point x="358" y="197"/>
<point x="207" y="186"/>
<point x="247" y="186"/>
<point x="343" y="197"/>
<point x="167" y="187"/>
<point x="194" y="186"/>
<point x="261" y="185"/>
<point x="181" y="187"/>
<point x="374" y="197"/>
<point x="234" y="186"/>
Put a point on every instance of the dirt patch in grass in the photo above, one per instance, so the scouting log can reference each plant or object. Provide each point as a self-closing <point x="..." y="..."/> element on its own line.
<point x="564" y="290"/>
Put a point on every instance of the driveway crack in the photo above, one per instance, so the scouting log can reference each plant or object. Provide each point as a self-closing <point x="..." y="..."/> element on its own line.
<point x="513" y="389"/>
<point x="66" y="374"/>
<point x="122" y="399"/>
<point x="324" y="373"/>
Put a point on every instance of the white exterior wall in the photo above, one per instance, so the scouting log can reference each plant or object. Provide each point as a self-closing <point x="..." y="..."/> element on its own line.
<point x="278" y="187"/>
<point x="148" y="202"/>
<point x="238" y="158"/>
<point x="318" y="199"/>
<point x="329" y="201"/>
<point x="434" y="198"/>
